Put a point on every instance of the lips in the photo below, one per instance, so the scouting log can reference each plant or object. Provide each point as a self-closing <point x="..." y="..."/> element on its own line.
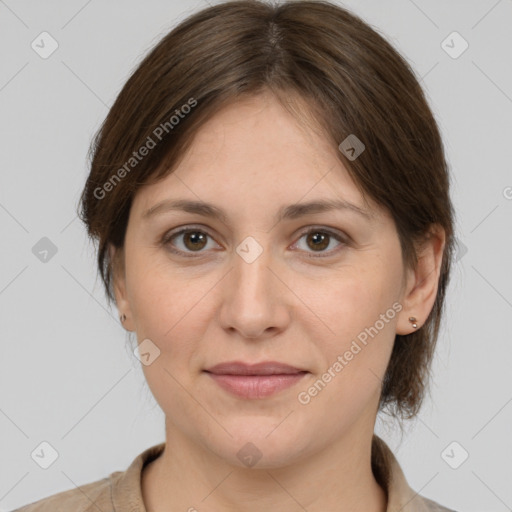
<point x="255" y="381"/>
<point x="263" y="368"/>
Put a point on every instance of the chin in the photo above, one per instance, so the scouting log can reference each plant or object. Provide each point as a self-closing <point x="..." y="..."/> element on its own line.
<point x="253" y="447"/>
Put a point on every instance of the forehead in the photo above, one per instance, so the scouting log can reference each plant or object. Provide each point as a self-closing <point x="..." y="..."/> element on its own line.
<point x="254" y="152"/>
<point x="261" y="126"/>
<point x="255" y="158"/>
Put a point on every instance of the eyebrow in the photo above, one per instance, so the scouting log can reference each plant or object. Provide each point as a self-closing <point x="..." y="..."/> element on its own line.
<point x="292" y="211"/>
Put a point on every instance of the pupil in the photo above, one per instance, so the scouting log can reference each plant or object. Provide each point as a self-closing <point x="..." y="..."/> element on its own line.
<point x="195" y="237"/>
<point x="321" y="238"/>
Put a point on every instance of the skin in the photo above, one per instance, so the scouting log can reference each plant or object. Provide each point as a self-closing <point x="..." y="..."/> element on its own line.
<point x="250" y="159"/>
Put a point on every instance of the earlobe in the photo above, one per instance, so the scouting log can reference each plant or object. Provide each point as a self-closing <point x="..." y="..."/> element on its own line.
<point x="422" y="283"/>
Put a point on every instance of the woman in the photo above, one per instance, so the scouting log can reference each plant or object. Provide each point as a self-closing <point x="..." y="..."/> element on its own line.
<point x="270" y="197"/>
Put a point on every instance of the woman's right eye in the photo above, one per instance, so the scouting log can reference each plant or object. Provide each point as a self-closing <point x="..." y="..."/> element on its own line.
<point x="191" y="240"/>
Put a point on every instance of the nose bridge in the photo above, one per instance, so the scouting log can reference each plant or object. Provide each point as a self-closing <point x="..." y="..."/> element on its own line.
<point x="251" y="273"/>
<point x="253" y="303"/>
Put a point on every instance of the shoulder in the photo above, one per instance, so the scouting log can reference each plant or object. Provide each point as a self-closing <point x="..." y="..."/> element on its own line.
<point x="121" y="490"/>
<point x="90" y="497"/>
<point x="390" y="476"/>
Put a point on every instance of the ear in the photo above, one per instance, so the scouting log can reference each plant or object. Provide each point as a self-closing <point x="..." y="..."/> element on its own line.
<point x="116" y="255"/>
<point x="422" y="283"/>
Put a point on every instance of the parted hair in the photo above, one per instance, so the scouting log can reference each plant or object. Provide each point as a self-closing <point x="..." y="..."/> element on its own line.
<point x="352" y="81"/>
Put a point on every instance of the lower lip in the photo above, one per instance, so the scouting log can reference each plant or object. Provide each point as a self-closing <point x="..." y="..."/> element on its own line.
<point x="256" y="386"/>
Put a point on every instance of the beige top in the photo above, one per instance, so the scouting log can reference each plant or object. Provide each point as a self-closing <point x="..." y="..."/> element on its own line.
<point x="121" y="491"/>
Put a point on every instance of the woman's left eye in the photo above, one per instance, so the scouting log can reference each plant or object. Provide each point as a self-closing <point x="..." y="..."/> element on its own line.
<point x="320" y="239"/>
<point x="194" y="240"/>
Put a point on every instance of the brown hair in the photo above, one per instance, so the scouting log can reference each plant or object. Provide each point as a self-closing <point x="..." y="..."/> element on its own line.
<point x="352" y="81"/>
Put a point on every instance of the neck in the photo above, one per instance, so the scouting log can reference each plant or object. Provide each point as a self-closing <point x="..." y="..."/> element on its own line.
<point x="192" y="478"/>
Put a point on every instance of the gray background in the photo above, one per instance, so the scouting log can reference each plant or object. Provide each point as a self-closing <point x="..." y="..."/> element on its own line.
<point x="66" y="376"/>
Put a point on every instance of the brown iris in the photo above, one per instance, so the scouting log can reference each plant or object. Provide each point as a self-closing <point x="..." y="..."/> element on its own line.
<point x="196" y="238"/>
<point x="320" y="240"/>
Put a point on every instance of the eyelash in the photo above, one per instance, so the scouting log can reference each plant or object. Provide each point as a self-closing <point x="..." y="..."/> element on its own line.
<point x="191" y="229"/>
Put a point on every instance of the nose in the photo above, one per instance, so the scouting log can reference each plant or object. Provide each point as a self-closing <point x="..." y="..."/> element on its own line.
<point x="254" y="301"/>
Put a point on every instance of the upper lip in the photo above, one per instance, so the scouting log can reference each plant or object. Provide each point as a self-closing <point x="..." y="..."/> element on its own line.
<point x="263" y="368"/>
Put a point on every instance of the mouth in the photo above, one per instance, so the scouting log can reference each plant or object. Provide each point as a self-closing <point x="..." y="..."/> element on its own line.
<point x="255" y="381"/>
<point x="263" y="368"/>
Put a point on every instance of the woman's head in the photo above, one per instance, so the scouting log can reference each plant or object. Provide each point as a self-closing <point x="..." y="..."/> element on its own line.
<point x="253" y="108"/>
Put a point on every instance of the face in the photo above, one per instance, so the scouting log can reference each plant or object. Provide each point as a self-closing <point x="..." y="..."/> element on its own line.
<point x="317" y="289"/>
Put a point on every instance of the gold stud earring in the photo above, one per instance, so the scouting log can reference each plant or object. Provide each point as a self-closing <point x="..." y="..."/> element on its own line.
<point x="122" y="318"/>
<point x="412" y="319"/>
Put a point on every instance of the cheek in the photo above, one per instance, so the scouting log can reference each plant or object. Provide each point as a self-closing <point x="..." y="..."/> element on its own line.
<point x="173" y="310"/>
<point x="156" y="295"/>
<point x="169" y="314"/>
<point x="358" y="312"/>
<point x="352" y="300"/>
<point x="354" y="369"/>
